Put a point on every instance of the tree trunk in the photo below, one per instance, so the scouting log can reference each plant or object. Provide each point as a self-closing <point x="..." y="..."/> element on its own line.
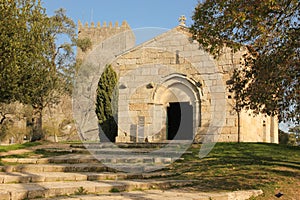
<point x="2" y="119"/>
<point x="37" y="130"/>
<point x="239" y="125"/>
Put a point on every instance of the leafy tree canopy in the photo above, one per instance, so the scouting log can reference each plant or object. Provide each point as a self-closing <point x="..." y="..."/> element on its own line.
<point x="270" y="76"/>
<point x="34" y="70"/>
<point x="31" y="63"/>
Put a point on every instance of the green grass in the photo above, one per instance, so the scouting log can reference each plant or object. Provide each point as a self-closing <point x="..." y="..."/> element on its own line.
<point x="40" y="153"/>
<point x="12" y="147"/>
<point x="114" y="190"/>
<point x="233" y="166"/>
<point x="228" y="167"/>
<point x="81" y="191"/>
<point x="44" y="153"/>
<point x="23" y="155"/>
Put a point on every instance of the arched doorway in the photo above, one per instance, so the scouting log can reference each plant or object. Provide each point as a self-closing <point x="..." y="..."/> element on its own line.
<point x="180" y="97"/>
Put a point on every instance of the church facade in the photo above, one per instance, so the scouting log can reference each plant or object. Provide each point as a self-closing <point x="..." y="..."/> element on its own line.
<point x="169" y="89"/>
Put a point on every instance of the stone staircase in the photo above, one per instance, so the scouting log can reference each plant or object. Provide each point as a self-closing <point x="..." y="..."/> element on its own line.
<point x="137" y="158"/>
<point x="100" y="172"/>
<point x="83" y="173"/>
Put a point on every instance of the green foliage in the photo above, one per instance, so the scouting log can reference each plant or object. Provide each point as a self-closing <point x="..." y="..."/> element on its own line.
<point x="296" y="132"/>
<point x="283" y="137"/>
<point x="34" y="70"/>
<point x="270" y="31"/>
<point x="81" y="191"/>
<point x="292" y="140"/>
<point x="84" y="44"/>
<point x="106" y="104"/>
<point x="12" y="48"/>
<point x="114" y="190"/>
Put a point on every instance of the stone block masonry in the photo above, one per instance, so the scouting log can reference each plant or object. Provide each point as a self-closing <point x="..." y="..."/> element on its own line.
<point x="168" y="69"/>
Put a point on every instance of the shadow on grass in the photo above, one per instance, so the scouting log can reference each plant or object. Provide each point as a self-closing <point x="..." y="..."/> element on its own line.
<point x="44" y="153"/>
<point x="234" y="166"/>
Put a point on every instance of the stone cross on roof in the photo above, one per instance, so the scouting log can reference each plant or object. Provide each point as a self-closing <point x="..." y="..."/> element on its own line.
<point x="182" y="20"/>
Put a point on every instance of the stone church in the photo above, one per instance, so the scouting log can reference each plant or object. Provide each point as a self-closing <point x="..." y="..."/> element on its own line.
<point x="169" y="89"/>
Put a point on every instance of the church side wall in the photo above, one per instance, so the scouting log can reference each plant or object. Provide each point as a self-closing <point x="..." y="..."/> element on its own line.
<point x="254" y="127"/>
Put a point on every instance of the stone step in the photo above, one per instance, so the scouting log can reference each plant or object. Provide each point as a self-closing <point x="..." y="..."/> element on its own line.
<point x="19" y="177"/>
<point x="161" y="153"/>
<point x="65" y="150"/>
<point x="126" y="176"/>
<point x="53" y="189"/>
<point x="166" y="195"/>
<point x="166" y="152"/>
<point x="85" y="167"/>
<point x="33" y="168"/>
<point x="68" y="158"/>
<point x="106" y="158"/>
<point x="25" y="177"/>
<point x="87" y="158"/>
<point x="133" y="146"/>
<point x="124" y="145"/>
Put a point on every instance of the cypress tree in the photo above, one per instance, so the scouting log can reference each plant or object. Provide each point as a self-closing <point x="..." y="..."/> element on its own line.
<point x="106" y="104"/>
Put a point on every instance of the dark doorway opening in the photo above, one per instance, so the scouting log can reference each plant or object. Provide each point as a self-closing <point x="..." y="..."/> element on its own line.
<point x="180" y="121"/>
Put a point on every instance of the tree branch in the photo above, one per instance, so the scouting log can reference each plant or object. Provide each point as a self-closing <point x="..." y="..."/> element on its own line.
<point x="3" y="117"/>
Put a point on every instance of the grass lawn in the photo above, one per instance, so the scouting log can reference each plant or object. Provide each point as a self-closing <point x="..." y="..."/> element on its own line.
<point x="232" y="166"/>
<point x="228" y="167"/>
<point x="6" y="148"/>
<point x="40" y="152"/>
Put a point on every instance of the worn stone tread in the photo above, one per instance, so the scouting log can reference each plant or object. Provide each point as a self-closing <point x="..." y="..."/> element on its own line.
<point x="52" y="189"/>
<point x="103" y="157"/>
<point x="25" y="177"/>
<point x="78" y="167"/>
<point x="167" y="195"/>
<point x="131" y="163"/>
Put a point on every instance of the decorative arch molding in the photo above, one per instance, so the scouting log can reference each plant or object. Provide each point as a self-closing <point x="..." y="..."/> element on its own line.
<point x="177" y="78"/>
<point x="179" y="88"/>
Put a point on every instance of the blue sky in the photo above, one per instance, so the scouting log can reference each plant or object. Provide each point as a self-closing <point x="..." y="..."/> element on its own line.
<point x="138" y="13"/>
